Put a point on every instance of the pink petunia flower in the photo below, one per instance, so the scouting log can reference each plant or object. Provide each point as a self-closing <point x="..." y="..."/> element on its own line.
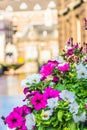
<point x="63" y="67"/>
<point x="51" y="93"/>
<point x="38" y="101"/>
<point x="14" y="120"/>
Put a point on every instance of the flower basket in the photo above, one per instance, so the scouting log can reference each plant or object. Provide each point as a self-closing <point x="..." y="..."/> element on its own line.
<point x="56" y="96"/>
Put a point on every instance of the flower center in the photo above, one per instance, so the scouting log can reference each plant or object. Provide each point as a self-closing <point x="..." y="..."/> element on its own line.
<point x="38" y="101"/>
<point x="14" y="120"/>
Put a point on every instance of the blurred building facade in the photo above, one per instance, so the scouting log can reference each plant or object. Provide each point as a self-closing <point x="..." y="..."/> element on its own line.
<point x="39" y="29"/>
<point x="71" y="14"/>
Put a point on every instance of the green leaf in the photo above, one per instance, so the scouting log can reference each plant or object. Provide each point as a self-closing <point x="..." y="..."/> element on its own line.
<point x="55" y="123"/>
<point x="60" y="115"/>
<point x="72" y="126"/>
<point x="40" y="128"/>
<point x="67" y="128"/>
<point x="60" y="87"/>
<point x="46" y="122"/>
<point x="51" y="128"/>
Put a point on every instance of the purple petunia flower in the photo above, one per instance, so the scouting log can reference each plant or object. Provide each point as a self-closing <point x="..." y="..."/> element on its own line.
<point x="70" y="51"/>
<point x="76" y="46"/>
<point x="30" y="95"/>
<point x="55" y="79"/>
<point x="26" y="90"/>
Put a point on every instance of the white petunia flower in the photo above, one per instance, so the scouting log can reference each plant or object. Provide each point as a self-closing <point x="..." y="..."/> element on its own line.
<point x="24" y="83"/>
<point x="46" y="114"/>
<point x="34" y="78"/>
<point x="52" y="102"/>
<point x="79" y="66"/>
<point x="76" y="118"/>
<point x="67" y="96"/>
<point x="74" y="107"/>
<point x="81" y="117"/>
<point x="82" y="73"/>
<point x="30" y="121"/>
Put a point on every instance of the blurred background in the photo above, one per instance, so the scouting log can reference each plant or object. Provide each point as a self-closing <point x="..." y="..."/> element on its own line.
<point x="31" y="33"/>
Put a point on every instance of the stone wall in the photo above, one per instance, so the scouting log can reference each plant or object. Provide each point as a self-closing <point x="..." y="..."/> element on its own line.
<point x="71" y="14"/>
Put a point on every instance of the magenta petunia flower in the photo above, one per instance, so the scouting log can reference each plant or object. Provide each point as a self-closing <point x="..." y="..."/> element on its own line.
<point x="38" y="101"/>
<point x="53" y="63"/>
<point x="86" y="105"/>
<point x="63" y="67"/>
<point x="51" y="93"/>
<point x="23" y="110"/>
<point x="23" y="128"/>
<point x="14" y="120"/>
<point x="47" y="69"/>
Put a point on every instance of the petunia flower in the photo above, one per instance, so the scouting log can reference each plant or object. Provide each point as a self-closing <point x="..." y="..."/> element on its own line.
<point x="46" y="114"/>
<point x="63" y="67"/>
<point x="34" y="78"/>
<point x="46" y="70"/>
<point x="55" y="79"/>
<point x="38" y="101"/>
<point x="14" y="120"/>
<point x="52" y="102"/>
<point x="86" y="106"/>
<point x="67" y="96"/>
<point x="51" y="93"/>
<point x="30" y="121"/>
<point x="73" y="107"/>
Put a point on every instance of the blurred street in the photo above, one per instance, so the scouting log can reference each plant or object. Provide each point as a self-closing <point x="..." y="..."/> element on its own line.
<point x="11" y="85"/>
<point x="11" y="95"/>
